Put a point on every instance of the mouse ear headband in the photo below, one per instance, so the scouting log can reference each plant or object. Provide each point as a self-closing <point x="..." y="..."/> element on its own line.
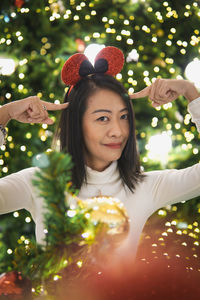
<point x="109" y="60"/>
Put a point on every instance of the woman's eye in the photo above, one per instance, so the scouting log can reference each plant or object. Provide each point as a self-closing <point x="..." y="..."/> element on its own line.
<point x="103" y="119"/>
<point x="124" y="117"/>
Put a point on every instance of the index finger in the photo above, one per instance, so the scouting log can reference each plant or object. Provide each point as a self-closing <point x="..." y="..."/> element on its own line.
<point x="141" y="94"/>
<point x="54" y="106"/>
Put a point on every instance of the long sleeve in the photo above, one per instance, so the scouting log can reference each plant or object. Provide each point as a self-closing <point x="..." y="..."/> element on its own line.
<point x="1" y="138"/>
<point x="194" y="110"/>
<point x="16" y="191"/>
<point x="174" y="186"/>
<point x="167" y="187"/>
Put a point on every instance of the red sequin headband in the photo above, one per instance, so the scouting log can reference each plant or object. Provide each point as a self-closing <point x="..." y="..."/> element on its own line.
<point x="109" y="60"/>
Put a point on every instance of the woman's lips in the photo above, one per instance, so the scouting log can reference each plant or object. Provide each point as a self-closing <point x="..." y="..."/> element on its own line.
<point x="114" y="145"/>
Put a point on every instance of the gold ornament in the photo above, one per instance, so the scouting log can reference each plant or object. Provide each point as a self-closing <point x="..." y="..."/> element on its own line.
<point x="112" y="213"/>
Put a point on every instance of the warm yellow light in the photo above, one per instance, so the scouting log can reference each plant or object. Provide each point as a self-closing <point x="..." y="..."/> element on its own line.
<point x="79" y="263"/>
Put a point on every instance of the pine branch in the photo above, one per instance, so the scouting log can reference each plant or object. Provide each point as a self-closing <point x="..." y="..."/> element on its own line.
<point x="65" y="242"/>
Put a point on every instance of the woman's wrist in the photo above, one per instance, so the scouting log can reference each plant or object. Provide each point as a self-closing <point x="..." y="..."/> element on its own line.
<point x="191" y="92"/>
<point x="4" y="115"/>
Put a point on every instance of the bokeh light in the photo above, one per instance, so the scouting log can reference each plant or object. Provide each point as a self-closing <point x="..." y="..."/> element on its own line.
<point x="192" y="72"/>
<point x="92" y="50"/>
<point x="159" y="146"/>
<point x="7" y="66"/>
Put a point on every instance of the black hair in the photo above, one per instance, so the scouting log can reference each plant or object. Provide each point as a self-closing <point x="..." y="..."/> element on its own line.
<point x="70" y="132"/>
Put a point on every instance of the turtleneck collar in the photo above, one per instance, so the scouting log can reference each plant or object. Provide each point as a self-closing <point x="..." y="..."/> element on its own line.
<point x="109" y="175"/>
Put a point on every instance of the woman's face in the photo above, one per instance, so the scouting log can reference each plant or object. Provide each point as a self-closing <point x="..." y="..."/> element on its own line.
<point x="105" y="129"/>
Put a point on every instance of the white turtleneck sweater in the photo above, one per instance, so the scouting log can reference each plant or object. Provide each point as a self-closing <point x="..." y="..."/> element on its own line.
<point x="159" y="189"/>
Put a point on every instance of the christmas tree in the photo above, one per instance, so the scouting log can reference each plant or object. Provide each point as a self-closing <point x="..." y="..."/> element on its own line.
<point x="158" y="38"/>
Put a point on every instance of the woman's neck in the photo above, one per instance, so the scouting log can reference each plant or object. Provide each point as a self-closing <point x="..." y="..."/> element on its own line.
<point x="97" y="165"/>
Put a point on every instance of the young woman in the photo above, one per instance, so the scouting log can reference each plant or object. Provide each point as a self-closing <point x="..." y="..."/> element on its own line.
<point x="97" y="129"/>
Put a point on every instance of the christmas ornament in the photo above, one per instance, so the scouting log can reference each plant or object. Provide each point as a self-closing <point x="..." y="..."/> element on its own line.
<point x="14" y="287"/>
<point x="110" y="212"/>
<point x="19" y="3"/>
<point x="8" y="285"/>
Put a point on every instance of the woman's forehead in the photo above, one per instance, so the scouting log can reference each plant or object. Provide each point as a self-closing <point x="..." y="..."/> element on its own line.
<point x="105" y="99"/>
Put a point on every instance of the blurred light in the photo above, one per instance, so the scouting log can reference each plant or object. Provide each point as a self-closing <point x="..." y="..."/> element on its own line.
<point x="119" y="76"/>
<point x="7" y="66"/>
<point x="132" y="56"/>
<point x="162" y="212"/>
<point x="23" y="148"/>
<point x="1" y="162"/>
<point x="92" y="50"/>
<point x="71" y="213"/>
<point x="87" y="215"/>
<point x="8" y="95"/>
<point x="130" y="72"/>
<point x="182" y="225"/>
<point x="159" y="146"/>
<point x="130" y="42"/>
<point x="192" y="72"/>
<point x="79" y="263"/>
<point x="28" y="219"/>
<point x="6" y="19"/>
<point x="86" y="234"/>
<point x="40" y="160"/>
<point x="21" y="75"/>
<point x="16" y="214"/>
<point x="5" y="169"/>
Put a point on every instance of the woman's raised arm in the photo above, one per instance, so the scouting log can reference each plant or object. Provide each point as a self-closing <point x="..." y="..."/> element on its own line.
<point x="167" y="90"/>
<point x="4" y="116"/>
<point x="28" y="110"/>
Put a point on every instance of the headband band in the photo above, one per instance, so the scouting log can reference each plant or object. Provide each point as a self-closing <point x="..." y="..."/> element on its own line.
<point x="109" y="60"/>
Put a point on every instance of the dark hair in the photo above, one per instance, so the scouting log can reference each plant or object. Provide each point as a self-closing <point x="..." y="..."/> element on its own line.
<point x="70" y="132"/>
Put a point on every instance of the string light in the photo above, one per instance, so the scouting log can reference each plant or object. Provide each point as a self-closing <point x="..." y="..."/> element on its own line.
<point x="16" y="214"/>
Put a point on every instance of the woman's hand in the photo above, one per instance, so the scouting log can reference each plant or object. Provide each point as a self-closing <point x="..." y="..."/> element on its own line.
<point x="166" y="90"/>
<point x="32" y="110"/>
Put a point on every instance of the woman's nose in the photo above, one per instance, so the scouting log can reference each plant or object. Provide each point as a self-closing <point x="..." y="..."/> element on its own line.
<point x="115" y="129"/>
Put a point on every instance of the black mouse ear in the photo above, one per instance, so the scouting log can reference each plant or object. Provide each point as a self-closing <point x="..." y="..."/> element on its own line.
<point x="101" y="65"/>
<point x="86" y="68"/>
<point x="114" y="58"/>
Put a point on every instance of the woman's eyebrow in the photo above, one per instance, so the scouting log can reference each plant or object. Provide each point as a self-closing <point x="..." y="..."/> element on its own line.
<point x="107" y="110"/>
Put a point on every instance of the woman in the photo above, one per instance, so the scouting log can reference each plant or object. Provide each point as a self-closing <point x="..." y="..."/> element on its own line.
<point x="97" y="128"/>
